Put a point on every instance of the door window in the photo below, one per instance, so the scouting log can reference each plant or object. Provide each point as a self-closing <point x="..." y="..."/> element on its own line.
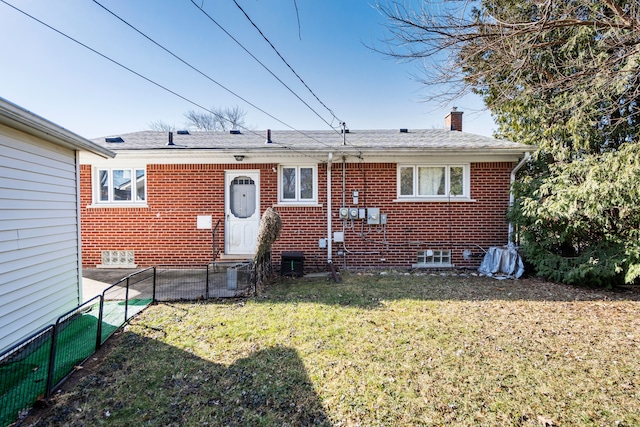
<point x="242" y="197"/>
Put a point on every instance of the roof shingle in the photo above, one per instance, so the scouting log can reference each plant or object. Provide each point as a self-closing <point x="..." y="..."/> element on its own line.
<point x="319" y="141"/>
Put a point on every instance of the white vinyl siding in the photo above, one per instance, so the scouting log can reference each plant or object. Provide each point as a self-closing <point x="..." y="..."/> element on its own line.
<point x="39" y="249"/>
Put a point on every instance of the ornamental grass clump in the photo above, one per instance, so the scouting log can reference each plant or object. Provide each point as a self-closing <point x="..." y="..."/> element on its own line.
<point x="268" y="232"/>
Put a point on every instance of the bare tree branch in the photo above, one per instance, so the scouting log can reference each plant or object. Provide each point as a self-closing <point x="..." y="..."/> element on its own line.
<point x="162" y="126"/>
<point x="533" y="46"/>
<point x="216" y="118"/>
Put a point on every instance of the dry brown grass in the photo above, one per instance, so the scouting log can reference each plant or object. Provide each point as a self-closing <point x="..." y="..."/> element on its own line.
<point x="377" y="349"/>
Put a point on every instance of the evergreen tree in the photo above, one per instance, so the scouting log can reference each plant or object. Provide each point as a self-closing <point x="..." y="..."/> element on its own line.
<point x="565" y="77"/>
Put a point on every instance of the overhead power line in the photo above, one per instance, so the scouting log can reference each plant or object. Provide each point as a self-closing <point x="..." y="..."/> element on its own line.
<point x="359" y="155"/>
<point x="142" y="76"/>
<point x="202" y="73"/>
<point x="262" y="64"/>
<point x="190" y="66"/>
<point x="285" y="61"/>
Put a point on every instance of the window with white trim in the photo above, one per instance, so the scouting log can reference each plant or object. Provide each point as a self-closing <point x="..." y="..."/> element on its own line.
<point x="433" y="181"/>
<point x="298" y="184"/>
<point x="121" y="186"/>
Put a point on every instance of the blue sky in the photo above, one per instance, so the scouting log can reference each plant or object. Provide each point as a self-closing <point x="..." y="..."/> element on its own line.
<point x="68" y="84"/>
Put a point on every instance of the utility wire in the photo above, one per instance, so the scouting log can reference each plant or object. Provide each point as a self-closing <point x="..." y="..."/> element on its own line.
<point x="285" y="61"/>
<point x="294" y="72"/>
<point x="261" y="63"/>
<point x="191" y="66"/>
<point x="105" y="56"/>
<point x="297" y="16"/>
<point x="206" y="76"/>
<point x="140" y="75"/>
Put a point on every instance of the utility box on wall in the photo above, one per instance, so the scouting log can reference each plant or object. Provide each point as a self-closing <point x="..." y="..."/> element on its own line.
<point x="373" y="216"/>
<point x="292" y="264"/>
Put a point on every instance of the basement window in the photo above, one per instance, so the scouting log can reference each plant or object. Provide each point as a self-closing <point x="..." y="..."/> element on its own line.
<point x="117" y="259"/>
<point x="434" y="258"/>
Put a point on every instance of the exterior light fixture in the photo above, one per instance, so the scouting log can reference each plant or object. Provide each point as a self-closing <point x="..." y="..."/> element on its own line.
<point x="239" y="157"/>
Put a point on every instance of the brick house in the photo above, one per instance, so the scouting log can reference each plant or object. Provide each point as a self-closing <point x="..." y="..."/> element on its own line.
<point x="404" y="198"/>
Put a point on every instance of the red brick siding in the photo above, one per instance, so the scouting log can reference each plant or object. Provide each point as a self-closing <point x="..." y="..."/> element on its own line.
<point x="165" y="232"/>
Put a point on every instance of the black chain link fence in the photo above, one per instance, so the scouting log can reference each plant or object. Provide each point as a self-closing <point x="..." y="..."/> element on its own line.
<point x="33" y="368"/>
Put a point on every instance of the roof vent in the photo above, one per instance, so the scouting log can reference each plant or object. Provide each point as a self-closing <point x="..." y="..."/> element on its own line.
<point x="183" y="132"/>
<point x="235" y="132"/>
<point x="114" y="139"/>
<point x="170" y="139"/>
<point x="404" y="130"/>
<point x="268" y="141"/>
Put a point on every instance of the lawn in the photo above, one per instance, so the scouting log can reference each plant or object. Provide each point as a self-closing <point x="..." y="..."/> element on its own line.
<point x="374" y="350"/>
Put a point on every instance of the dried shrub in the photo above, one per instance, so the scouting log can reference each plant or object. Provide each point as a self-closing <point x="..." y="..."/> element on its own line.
<point x="269" y="231"/>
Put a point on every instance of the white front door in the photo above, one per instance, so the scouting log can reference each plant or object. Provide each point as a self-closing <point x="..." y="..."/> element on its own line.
<point x="242" y="211"/>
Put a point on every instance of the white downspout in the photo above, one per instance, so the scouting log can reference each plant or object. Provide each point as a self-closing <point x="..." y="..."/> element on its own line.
<point x="329" y="209"/>
<point x="515" y="170"/>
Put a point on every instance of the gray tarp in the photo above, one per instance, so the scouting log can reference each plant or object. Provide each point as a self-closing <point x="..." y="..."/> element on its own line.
<point x="503" y="261"/>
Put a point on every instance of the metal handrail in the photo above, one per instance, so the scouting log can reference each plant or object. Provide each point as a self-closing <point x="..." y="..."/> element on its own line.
<point x="214" y="247"/>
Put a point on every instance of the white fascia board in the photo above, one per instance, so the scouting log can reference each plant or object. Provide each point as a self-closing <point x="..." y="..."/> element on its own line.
<point x="18" y="118"/>
<point x="253" y="156"/>
<point x="144" y="157"/>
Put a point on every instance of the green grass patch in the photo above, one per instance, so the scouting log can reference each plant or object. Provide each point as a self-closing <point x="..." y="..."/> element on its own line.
<point x="23" y="379"/>
<point x="375" y="349"/>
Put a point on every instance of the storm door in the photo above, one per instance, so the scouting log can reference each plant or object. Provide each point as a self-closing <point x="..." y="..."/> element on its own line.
<point x="242" y="212"/>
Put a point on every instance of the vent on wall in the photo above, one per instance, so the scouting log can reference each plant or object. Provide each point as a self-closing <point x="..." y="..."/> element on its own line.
<point x="117" y="259"/>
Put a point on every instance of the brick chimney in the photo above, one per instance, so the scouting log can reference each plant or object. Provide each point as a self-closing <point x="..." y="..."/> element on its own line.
<point x="453" y="121"/>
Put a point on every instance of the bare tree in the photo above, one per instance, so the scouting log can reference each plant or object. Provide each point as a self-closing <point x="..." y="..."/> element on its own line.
<point x="216" y="118"/>
<point x="201" y="120"/>
<point x="162" y="126"/>
<point x="504" y="49"/>
<point x="235" y="116"/>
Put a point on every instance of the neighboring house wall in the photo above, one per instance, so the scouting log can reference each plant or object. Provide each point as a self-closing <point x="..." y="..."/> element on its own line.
<point x="164" y="232"/>
<point x="39" y="255"/>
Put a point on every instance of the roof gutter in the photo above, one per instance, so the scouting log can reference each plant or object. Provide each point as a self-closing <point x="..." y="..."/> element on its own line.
<point x="515" y="170"/>
<point x="18" y="118"/>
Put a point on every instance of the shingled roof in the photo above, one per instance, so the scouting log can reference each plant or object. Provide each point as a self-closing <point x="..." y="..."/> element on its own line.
<point x="357" y="141"/>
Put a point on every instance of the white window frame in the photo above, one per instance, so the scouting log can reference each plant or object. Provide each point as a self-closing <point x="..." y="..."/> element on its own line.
<point x="110" y="199"/>
<point x="466" y="181"/>
<point x="298" y="200"/>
